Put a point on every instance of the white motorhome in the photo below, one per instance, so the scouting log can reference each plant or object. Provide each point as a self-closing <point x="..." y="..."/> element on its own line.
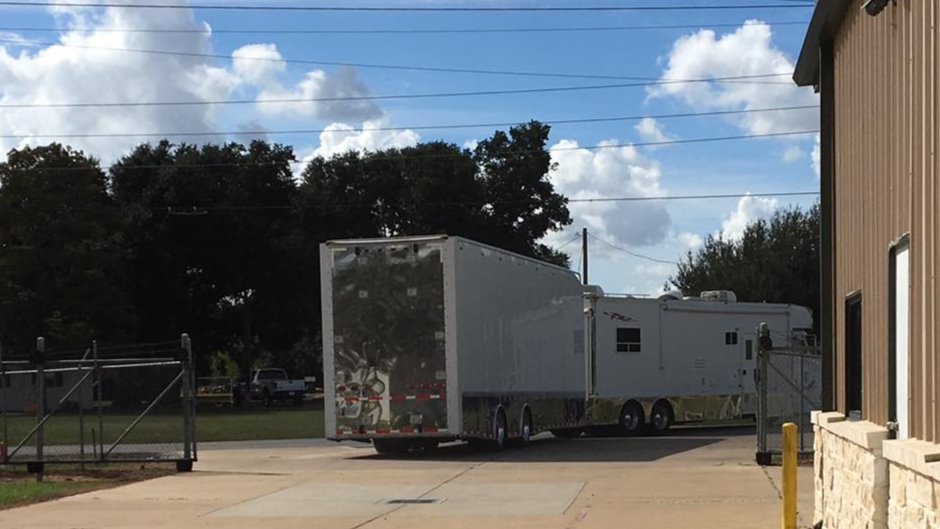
<point x="673" y="359"/>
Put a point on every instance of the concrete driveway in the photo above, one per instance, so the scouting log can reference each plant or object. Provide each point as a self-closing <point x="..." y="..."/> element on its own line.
<point x="694" y="478"/>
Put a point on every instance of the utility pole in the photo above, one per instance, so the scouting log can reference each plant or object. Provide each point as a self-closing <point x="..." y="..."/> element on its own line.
<point x="584" y="254"/>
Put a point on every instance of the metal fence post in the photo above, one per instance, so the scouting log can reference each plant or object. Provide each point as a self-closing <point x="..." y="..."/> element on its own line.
<point x="763" y="334"/>
<point x="4" y="443"/>
<point x="81" y="412"/>
<point x="187" y="381"/>
<point x="39" y="359"/>
<point x="98" y="398"/>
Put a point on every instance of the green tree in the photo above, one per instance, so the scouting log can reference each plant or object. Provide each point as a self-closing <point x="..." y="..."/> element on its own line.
<point x="776" y="261"/>
<point x="61" y="275"/>
<point x="521" y="203"/>
<point x="208" y="234"/>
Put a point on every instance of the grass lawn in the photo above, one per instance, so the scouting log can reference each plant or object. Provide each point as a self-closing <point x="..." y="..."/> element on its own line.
<point x="213" y="425"/>
<point x="19" y="488"/>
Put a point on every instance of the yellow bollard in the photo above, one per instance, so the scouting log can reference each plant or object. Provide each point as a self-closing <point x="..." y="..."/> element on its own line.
<point x="790" y="432"/>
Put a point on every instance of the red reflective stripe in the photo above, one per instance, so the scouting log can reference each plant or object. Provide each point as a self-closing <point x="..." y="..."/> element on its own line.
<point x="424" y="396"/>
<point x="383" y="431"/>
<point x="407" y="429"/>
<point x="397" y="397"/>
<point x="430" y="429"/>
<point x="352" y="399"/>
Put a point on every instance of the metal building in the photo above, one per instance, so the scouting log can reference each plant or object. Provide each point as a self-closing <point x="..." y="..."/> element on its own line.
<point x="875" y="66"/>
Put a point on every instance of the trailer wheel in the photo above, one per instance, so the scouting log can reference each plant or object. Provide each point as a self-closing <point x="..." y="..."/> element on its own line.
<point x="662" y="417"/>
<point x="525" y="428"/>
<point x="500" y="431"/>
<point x="631" y="418"/>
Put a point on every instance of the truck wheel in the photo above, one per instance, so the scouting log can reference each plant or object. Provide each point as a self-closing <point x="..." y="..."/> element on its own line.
<point x="661" y="417"/>
<point x="500" y="431"/>
<point x="390" y="446"/>
<point x="631" y="418"/>
<point x="525" y="429"/>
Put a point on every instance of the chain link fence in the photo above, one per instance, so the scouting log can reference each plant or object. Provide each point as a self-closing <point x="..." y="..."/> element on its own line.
<point x="130" y="403"/>
<point x="789" y="388"/>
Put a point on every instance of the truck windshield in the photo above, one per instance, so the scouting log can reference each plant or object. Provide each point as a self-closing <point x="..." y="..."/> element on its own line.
<point x="272" y="374"/>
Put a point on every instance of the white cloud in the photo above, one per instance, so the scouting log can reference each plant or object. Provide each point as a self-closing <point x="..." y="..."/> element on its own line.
<point x="749" y="50"/>
<point x="611" y="172"/>
<point x="88" y="66"/>
<point x="258" y="63"/>
<point x="793" y="154"/>
<point x="691" y="241"/>
<point x="749" y="209"/>
<point x="340" y="138"/>
<point x="318" y="84"/>
<point x="651" y="130"/>
<point x="62" y="74"/>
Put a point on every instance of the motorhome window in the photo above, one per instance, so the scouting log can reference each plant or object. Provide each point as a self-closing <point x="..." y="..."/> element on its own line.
<point x="748" y="349"/>
<point x="628" y="340"/>
<point x="731" y="338"/>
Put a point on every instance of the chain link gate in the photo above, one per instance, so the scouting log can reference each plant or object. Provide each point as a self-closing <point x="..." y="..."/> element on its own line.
<point x="102" y="405"/>
<point x="789" y="388"/>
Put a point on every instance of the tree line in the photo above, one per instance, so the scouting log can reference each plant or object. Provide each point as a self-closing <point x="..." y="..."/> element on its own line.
<point x="221" y="241"/>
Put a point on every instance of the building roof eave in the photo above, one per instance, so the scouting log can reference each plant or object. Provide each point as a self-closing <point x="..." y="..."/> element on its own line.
<point x="825" y="23"/>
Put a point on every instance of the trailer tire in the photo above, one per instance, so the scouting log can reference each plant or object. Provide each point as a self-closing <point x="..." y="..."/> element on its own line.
<point x="631" y="418"/>
<point x="500" y="430"/>
<point x="661" y="417"/>
<point x="525" y="428"/>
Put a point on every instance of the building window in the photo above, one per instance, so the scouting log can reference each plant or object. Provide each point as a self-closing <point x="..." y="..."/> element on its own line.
<point x="748" y="349"/>
<point x="853" y="354"/>
<point x="899" y="359"/>
<point x="731" y="338"/>
<point x="628" y="340"/>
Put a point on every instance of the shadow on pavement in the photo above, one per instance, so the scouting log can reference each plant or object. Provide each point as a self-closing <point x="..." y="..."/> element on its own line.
<point x="547" y="448"/>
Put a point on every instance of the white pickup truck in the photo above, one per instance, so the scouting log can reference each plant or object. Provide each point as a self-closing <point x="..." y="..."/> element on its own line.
<point x="271" y="384"/>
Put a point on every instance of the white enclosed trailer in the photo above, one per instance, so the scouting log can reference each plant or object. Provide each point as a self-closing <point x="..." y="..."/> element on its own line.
<point x="677" y="359"/>
<point x="427" y="339"/>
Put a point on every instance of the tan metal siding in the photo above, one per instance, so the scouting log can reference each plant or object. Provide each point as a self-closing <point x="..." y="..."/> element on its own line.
<point x="887" y="116"/>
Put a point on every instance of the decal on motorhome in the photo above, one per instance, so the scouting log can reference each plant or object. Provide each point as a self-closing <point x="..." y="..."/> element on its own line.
<point x="618" y="317"/>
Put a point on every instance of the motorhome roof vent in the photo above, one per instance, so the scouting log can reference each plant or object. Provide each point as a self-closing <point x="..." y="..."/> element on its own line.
<point x="726" y="296"/>
<point x="671" y="295"/>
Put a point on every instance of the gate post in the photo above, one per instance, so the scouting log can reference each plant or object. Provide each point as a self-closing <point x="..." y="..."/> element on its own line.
<point x="39" y="360"/>
<point x="3" y="409"/>
<point x="763" y="337"/>
<point x="189" y="441"/>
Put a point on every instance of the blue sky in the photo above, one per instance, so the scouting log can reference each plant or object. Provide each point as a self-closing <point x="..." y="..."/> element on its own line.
<point x="89" y="68"/>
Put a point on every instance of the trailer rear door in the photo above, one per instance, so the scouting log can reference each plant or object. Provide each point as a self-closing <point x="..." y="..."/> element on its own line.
<point x="388" y="339"/>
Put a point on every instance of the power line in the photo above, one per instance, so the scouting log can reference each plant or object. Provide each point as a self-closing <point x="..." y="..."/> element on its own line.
<point x="435" y="95"/>
<point x="408" y="31"/>
<point x="403" y="128"/>
<point x="741" y="79"/>
<point x="599" y="147"/>
<point x="203" y="210"/>
<point x="413" y="9"/>
<point x="634" y="254"/>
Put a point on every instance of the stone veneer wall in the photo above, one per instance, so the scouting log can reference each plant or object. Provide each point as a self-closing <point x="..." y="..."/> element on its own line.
<point x="851" y="476"/>
<point x="914" y="477"/>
